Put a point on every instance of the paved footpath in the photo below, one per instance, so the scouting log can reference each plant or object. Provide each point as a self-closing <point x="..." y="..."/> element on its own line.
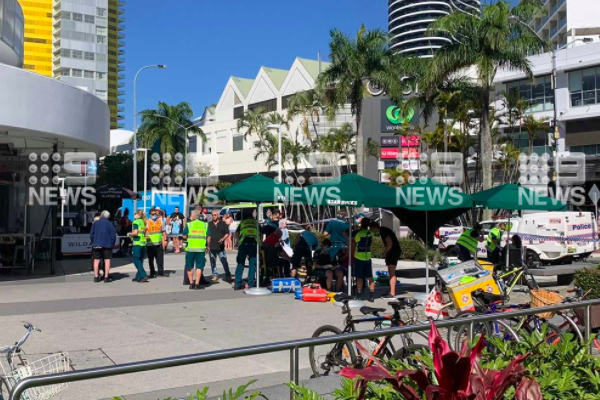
<point x="102" y="324"/>
<point x="105" y="324"/>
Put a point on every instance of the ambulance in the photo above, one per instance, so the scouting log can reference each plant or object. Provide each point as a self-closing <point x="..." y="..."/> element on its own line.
<point x="549" y="237"/>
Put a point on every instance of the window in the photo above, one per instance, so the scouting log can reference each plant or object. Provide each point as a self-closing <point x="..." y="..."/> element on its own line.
<point x="101" y="94"/>
<point x="101" y="39"/>
<point x="77" y="73"/>
<point x="206" y="146"/>
<point x="101" y="12"/>
<point x="101" y="76"/>
<point x="588" y="150"/>
<point x="78" y="54"/>
<point x="88" y="74"/>
<point x="238" y="112"/>
<point x="65" y="72"/>
<point x="89" y="19"/>
<point x="89" y="56"/>
<point x="101" y="30"/>
<point x="539" y="95"/>
<point x="584" y="87"/>
<point x="238" y="142"/>
<point x="65" y="52"/>
<point x="65" y="15"/>
<point x="269" y="105"/>
<point x="78" y="17"/>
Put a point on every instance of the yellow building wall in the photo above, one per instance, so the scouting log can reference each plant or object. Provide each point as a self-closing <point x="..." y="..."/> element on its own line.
<point x="38" y="35"/>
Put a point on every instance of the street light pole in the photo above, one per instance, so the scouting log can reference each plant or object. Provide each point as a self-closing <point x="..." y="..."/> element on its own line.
<point x="135" y="115"/>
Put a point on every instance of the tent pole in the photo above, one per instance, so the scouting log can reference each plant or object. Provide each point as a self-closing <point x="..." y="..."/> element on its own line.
<point x="507" y="245"/>
<point x="257" y="291"/>
<point x="426" y="252"/>
<point x="349" y="256"/>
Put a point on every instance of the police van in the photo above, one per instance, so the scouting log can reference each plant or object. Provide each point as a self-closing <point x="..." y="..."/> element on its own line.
<point x="549" y="237"/>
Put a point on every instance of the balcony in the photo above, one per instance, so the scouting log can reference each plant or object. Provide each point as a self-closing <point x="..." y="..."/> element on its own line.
<point x="58" y="5"/>
<point x="562" y="22"/>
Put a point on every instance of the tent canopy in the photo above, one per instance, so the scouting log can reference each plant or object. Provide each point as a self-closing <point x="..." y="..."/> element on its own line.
<point x="515" y="197"/>
<point x="426" y="206"/>
<point x="350" y="190"/>
<point x="258" y="188"/>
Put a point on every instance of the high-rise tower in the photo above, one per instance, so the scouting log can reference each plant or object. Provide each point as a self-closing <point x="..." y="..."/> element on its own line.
<point x="79" y="42"/>
<point x="409" y="19"/>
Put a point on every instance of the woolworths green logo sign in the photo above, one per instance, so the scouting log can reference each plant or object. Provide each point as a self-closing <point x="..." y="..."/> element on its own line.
<point x="394" y="115"/>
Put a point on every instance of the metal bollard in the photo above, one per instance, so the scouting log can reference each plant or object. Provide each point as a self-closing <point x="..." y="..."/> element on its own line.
<point x="294" y="368"/>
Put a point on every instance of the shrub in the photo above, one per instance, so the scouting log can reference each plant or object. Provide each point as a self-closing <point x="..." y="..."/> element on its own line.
<point x="240" y="393"/>
<point x="589" y="279"/>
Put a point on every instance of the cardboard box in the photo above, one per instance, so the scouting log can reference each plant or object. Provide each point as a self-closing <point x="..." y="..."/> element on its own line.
<point x="461" y="294"/>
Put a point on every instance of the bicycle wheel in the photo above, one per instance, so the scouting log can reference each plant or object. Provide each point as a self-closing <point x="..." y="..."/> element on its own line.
<point x="463" y="333"/>
<point x="553" y="334"/>
<point x="4" y="389"/>
<point x="330" y="358"/>
<point x="453" y="330"/>
<point x="412" y="354"/>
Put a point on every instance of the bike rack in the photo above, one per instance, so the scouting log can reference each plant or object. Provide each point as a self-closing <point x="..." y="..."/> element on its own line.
<point x="293" y="346"/>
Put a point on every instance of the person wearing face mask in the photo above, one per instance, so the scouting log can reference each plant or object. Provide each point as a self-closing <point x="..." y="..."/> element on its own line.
<point x="154" y="244"/>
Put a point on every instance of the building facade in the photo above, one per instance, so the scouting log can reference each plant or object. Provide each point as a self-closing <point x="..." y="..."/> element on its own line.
<point x="577" y="100"/>
<point x="568" y="20"/>
<point x="408" y="21"/>
<point x="232" y="155"/>
<point x="39" y="117"/>
<point x="79" y="42"/>
<point x="11" y="33"/>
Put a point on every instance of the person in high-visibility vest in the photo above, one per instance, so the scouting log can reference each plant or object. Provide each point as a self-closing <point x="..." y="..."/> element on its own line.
<point x="198" y="240"/>
<point x="363" y="266"/>
<point x="247" y="233"/>
<point x="466" y="244"/>
<point x="493" y="243"/>
<point x="138" y="236"/>
<point x="154" y="243"/>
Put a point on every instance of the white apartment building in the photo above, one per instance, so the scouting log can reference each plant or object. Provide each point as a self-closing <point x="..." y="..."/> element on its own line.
<point x="568" y="20"/>
<point x="577" y="99"/>
<point x="232" y="156"/>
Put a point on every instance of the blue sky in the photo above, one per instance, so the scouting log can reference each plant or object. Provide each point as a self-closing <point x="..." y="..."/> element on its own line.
<point x="203" y="42"/>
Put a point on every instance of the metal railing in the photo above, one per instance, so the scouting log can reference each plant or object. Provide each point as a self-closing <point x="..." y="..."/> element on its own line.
<point x="293" y="346"/>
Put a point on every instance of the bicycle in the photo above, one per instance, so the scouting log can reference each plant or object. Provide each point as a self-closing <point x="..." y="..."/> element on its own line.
<point x="13" y="373"/>
<point x="344" y="354"/>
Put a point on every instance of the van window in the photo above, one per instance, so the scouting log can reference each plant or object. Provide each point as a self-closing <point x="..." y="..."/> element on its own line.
<point x="486" y="227"/>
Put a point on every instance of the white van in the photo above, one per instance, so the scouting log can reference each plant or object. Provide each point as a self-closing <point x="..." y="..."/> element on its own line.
<point x="549" y="237"/>
<point x="245" y="210"/>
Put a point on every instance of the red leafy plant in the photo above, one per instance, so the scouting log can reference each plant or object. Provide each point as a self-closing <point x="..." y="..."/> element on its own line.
<point x="458" y="376"/>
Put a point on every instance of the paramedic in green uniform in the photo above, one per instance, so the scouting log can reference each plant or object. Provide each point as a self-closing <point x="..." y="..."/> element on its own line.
<point x="493" y="243"/>
<point x="196" y="234"/>
<point x="467" y="243"/>
<point x="138" y="235"/>
<point x="363" y="266"/>
<point x="247" y="233"/>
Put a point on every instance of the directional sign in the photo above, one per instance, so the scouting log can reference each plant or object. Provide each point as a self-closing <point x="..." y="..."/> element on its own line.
<point x="594" y="194"/>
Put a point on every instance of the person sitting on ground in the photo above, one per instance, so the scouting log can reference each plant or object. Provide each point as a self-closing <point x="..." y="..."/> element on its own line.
<point x="272" y="248"/>
<point x="306" y="243"/>
<point x="325" y="269"/>
<point x="515" y="251"/>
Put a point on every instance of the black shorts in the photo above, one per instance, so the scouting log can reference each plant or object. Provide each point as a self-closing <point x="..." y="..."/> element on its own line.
<point x="102" y="253"/>
<point x="363" y="269"/>
<point x="392" y="258"/>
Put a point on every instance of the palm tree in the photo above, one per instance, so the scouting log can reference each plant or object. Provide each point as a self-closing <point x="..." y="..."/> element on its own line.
<point x="165" y="125"/>
<point x="309" y="105"/>
<point x="268" y="149"/>
<point x="341" y="141"/>
<point x="534" y="126"/>
<point x="353" y="61"/>
<point x="515" y="110"/>
<point x="493" y="39"/>
<point x="253" y="121"/>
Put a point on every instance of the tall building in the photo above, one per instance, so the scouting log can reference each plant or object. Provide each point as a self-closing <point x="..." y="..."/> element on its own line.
<point x="567" y="21"/>
<point x="38" y="36"/>
<point x="79" y="42"/>
<point x="409" y="19"/>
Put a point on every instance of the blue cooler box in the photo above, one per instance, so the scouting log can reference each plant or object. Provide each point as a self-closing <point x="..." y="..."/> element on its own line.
<point x="285" y="285"/>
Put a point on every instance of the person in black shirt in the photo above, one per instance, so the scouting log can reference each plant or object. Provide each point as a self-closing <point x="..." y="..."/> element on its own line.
<point x="393" y="252"/>
<point x="218" y="232"/>
<point x="177" y="233"/>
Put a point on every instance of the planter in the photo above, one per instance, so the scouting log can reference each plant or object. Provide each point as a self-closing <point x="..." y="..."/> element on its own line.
<point x="595" y="317"/>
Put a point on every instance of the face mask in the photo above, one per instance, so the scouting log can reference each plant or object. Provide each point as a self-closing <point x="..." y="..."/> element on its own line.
<point x="356" y="221"/>
<point x="154" y="217"/>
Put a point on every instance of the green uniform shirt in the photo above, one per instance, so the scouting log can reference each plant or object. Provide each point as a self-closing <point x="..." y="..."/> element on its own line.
<point x="140" y="238"/>
<point x="196" y="236"/>
<point x="363" y="239"/>
<point x="467" y="241"/>
<point x="495" y="233"/>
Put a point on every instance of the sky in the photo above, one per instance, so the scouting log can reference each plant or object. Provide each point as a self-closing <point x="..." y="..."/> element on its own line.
<point x="204" y="42"/>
